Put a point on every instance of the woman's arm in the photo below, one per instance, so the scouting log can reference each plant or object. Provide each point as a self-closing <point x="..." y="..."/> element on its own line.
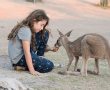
<point x="48" y="48"/>
<point x="26" y="48"/>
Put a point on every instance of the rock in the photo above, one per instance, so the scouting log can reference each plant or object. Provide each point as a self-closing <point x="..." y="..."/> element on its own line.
<point x="12" y="84"/>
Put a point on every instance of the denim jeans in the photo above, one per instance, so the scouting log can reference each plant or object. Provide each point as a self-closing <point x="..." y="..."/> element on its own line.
<point x="40" y="63"/>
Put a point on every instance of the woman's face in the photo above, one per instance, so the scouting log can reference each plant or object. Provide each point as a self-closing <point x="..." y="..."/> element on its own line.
<point x="38" y="26"/>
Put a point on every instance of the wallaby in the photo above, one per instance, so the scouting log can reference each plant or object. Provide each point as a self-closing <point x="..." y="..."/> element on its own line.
<point x="88" y="46"/>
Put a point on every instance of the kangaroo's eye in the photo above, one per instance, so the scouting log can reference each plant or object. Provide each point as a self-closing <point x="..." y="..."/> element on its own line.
<point x="58" y="41"/>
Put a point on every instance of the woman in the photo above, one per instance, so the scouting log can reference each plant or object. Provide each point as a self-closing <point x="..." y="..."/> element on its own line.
<point x="28" y="42"/>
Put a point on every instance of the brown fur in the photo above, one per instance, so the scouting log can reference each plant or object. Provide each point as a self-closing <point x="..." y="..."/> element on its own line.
<point x="88" y="46"/>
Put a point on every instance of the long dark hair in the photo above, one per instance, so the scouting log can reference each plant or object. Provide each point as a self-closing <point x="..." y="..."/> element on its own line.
<point x="37" y="15"/>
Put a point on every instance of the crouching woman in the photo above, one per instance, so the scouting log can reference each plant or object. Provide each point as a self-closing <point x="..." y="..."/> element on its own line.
<point x="28" y="42"/>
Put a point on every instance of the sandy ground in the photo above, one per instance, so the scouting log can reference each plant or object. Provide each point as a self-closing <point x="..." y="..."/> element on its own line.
<point x="81" y="16"/>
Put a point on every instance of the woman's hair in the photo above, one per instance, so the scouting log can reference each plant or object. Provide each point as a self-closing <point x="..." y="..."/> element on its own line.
<point x="35" y="16"/>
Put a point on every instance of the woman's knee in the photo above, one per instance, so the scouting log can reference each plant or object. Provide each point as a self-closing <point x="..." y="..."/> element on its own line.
<point x="49" y="66"/>
<point x="45" y="66"/>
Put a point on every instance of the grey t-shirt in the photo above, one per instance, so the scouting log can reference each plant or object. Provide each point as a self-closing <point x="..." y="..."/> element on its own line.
<point x="15" y="49"/>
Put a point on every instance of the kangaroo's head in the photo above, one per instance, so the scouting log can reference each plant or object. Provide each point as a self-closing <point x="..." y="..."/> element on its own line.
<point x="63" y="39"/>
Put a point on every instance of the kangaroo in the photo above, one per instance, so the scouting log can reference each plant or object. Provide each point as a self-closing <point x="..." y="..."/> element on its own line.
<point x="88" y="46"/>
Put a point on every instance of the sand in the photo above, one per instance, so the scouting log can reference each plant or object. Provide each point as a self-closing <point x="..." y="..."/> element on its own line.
<point x="81" y="16"/>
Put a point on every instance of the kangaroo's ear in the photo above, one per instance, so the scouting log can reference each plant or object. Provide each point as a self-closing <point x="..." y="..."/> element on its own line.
<point x="60" y="33"/>
<point x="68" y="33"/>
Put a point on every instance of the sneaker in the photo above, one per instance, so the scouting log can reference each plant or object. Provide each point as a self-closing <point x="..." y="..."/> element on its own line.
<point x="58" y="65"/>
<point x="19" y="68"/>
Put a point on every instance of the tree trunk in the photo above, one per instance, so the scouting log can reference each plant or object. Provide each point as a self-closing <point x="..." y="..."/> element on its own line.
<point x="104" y="3"/>
<point x="34" y="1"/>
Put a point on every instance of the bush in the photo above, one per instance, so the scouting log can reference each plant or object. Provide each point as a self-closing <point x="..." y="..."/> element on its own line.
<point x="104" y="3"/>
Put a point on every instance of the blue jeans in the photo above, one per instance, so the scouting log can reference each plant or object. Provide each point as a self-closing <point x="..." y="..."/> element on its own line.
<point x="40" y="63"/>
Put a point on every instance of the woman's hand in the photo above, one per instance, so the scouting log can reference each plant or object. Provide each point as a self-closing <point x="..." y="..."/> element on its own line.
<point x="48" y="48"/>
<point x="35" y="73"/>
<point x="55" y="49"/>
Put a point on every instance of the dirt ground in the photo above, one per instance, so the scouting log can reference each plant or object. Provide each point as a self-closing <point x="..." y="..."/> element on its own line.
<point x="81" y="16"/>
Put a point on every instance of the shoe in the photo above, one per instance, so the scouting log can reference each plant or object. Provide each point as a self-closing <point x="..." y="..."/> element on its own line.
<point x="19" y="68"/>
<point x="58" y="65"/>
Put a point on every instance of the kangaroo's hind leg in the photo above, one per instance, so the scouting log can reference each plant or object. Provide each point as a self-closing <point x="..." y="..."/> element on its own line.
<point x="85" y="56"/>
<point x="96" y="66"/>
<point x="84" y="67"/>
